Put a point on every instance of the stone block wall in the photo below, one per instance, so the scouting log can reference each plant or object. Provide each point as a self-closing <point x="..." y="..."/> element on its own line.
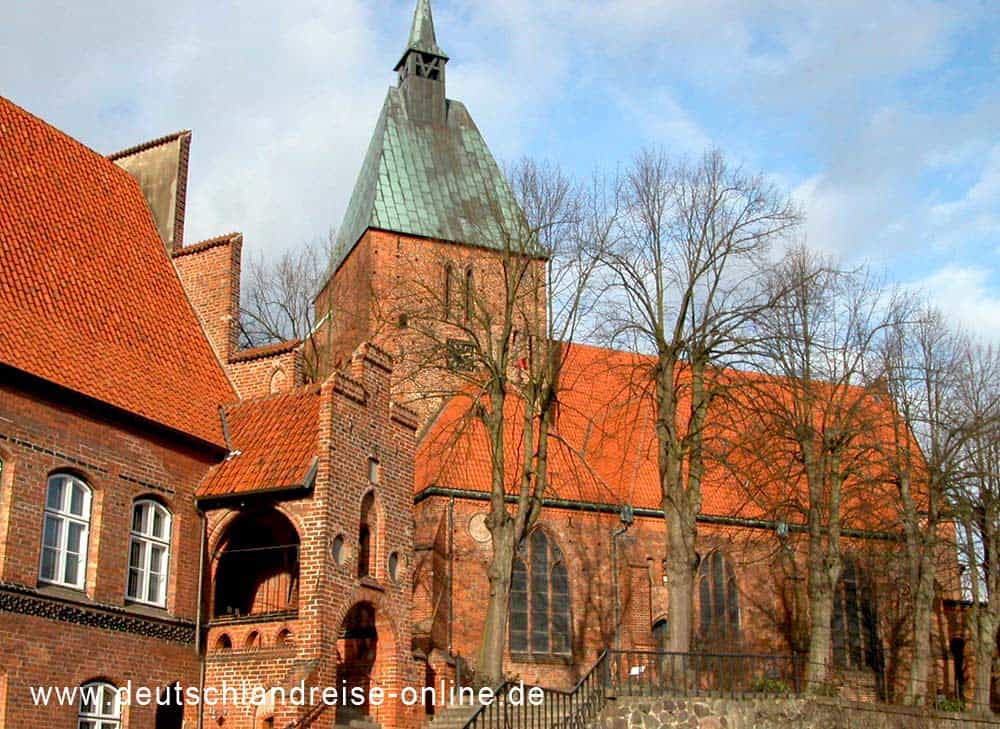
<point x="774" y="713"/>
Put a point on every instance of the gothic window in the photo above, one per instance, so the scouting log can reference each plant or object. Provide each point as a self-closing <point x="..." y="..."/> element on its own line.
<point x="660" y="634"/>
<point x="149" y="553"/>
<point x="446" y="293"/>
<point x="365" y="535"/>
<point x="718" y="602"/>
<point x="100" y="707"/>
<point x="65" y="531"/>
<point x="469" y="293"/>
<point x="539" y="600"/>
<point x="852" y="625"/>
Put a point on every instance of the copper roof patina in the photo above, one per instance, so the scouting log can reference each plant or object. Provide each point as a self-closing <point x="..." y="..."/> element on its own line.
<point x="428" y="175"/>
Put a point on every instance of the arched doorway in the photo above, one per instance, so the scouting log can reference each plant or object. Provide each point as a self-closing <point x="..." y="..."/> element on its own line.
<point x="358" y="654"/>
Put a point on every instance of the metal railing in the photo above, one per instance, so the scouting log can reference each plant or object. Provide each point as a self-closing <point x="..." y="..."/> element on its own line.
<point x="573" y="709"/>
<point x="733" y="675"/>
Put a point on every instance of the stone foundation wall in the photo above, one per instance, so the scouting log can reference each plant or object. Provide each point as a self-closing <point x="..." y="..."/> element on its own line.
<point x="813" y="713"/>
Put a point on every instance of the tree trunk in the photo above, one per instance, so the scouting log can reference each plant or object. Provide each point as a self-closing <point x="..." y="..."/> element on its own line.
<point x="820" y="616"/>
<point x="490" y="660"/>
<point x="679" y="572"/>
<point x="923" y="602"/>
<point x="984" y="672"/>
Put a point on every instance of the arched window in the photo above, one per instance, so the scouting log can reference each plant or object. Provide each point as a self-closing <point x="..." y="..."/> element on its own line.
<point x="148" y="553"/>
<point x="446" y="293"/>
<point x="718" y="601"/>
<point x="100" y="707"/>
<point x="65" y="531"/>
<point x="365" y="535"/>
<point x="660" y="634"/>
<point x="468" y="293"/>
<point x="539" y="599"/>
<point x="852" y="625"/>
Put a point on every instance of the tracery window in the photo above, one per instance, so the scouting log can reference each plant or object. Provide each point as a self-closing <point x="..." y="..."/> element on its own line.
<point x="539" y="600"/>
<point x="718" y="601"/>
<point x="852" y="625"/>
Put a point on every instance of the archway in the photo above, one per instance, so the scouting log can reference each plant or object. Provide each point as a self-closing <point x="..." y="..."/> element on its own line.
<point x="358" y="656"/>
<point x="257" y="569"/>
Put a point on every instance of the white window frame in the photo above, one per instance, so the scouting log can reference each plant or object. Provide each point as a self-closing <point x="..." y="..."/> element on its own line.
<point x="64" y="517"/>
<point x="148" y="542"/>
<point x="95" y="717"/>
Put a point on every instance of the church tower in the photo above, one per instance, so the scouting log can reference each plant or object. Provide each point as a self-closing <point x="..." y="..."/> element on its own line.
<point x="421" y="69"/>
<point x="428" y="220"/>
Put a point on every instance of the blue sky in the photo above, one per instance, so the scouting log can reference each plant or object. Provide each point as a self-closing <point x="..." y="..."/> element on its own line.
<point x="881" y="118"/>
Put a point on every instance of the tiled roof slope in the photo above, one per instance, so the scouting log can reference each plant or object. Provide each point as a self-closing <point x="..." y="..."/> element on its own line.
<point x="274" y="443"/>
<point x="429" y="180"/>
<point x="605" y="450"/>
<point x="89" y="299"/>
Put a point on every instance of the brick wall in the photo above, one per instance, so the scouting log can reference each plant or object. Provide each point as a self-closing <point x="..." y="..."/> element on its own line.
<point x="389" y="278"/>
<point x="53" y="635"/>
<point x="266" y="370"/>
<point x="358" y="424"/>
<point x="584" y="538"/>
<point x="210" y="273"/>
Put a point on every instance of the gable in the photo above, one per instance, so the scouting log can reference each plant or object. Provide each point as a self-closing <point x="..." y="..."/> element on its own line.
<point x="89" y="299"/>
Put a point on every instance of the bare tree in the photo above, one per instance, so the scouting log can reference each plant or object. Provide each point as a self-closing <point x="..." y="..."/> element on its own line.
<point x="277" y="299"/>
<point x="817" y="418"/>
<point x="685" y="274"/>
<point x="977" y="504"/>
<point x="490" y="342"/>
<point x="929" y="431"/>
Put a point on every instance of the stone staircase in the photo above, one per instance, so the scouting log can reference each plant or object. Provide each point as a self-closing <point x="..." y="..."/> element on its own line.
<point x="451" y="717"/>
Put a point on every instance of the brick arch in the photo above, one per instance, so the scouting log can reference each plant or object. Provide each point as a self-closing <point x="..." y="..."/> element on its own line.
<point x="255" y="565"/>
<point x="218" y="531"/>
<point x="159" y="498"/>
<point x="387" y="668"/>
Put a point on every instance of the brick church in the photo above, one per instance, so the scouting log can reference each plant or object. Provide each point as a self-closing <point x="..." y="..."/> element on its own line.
<point x="177" y="512"/>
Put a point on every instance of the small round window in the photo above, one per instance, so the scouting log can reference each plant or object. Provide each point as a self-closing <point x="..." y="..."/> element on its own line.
<point x="339" y="550"/>
<point x="394" y="566"/>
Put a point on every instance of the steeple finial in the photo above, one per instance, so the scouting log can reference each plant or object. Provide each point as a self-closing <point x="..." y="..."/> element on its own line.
<point x="422" y="36"/>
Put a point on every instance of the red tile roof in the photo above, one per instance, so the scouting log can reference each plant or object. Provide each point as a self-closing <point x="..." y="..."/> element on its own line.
<point x="89" y="299"/>
<point x="604" y="449"/>
<point x="274" y="442"/>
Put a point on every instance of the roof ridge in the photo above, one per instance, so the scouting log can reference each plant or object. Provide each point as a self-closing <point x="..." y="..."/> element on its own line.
<point x="206" y="244"/>
<point x="143" y="146"/>
<point x="264" y="350"/>
<point x="312" y="388"/>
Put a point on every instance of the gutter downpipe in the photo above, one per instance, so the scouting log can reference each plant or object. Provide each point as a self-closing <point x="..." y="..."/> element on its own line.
<point x="451" y="590"/>
<point x="198" y="647"/>
<point x="627" y="517"/>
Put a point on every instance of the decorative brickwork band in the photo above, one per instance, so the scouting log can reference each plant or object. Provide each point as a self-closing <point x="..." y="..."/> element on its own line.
<point x="24" y="601"/>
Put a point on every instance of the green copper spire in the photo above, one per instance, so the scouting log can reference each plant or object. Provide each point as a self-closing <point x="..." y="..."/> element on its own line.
<point x="422" y="36"/>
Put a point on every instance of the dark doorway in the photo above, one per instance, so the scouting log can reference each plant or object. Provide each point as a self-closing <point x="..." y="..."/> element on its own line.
<point x="359" y="648"/>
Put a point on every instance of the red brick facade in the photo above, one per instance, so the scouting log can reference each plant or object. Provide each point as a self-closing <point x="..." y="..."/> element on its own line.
<point x="55" y="636"/>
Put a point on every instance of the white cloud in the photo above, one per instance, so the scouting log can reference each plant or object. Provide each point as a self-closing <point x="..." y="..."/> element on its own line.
<point x="967" y="294"/>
